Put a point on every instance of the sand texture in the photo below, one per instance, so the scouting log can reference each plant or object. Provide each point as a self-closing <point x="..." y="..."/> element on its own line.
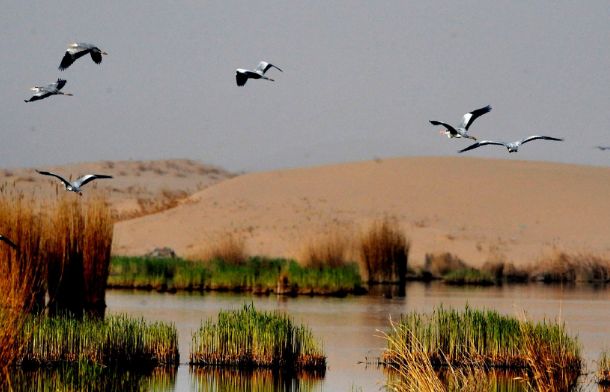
<point x="479" y="209"/>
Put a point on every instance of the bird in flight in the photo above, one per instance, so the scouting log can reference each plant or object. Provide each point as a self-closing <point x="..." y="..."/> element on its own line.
<point x="511" y="146"/>
<point x="242" y="75"/>
<point x="74" y="186"/>
<point x="42" y="92"/>
<point x="462" y="130"/>
<point x="8" y="241"/>
<point x="603" y="148"/>
<point x="78" y="50"/>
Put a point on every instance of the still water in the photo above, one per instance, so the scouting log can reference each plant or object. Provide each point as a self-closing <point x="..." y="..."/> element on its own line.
<point x="349" y="326"/>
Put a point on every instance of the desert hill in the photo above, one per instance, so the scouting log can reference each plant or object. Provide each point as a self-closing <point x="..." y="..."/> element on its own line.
<point x="479" y="209"/>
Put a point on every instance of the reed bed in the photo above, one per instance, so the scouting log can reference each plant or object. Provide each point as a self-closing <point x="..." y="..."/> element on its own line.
<point x="384" y="252"/>
<point x="328" y="250"/>
<point x="562" y="267"/>
<point x="248" y="338"/>
<point x="603" y="369"/>
<point x="88" y="377"/>
<point x="117" y="340"/>
<point x="469" y="276"/>
<point x="482" y="338"/>
<point x="257" y="274"/>
<point x="255" y="380"/>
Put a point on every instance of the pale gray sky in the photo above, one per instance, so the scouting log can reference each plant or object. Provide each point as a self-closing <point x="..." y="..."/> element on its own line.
<point x="361" y="80"/>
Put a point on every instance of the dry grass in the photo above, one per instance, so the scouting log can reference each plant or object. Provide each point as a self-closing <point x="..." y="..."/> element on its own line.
<point x="230" y="248"/>
<point x="384" y="252"/>
<point x="603" y="369"/>
<point x="329" y="250"/>
<point x="577" y="267"/>
<point x="439" y="264"/>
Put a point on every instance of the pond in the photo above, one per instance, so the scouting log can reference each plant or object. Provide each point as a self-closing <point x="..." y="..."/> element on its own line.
<point x="349" y="327"/>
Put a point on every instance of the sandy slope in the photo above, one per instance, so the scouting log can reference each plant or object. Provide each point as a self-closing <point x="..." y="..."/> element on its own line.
<point x="476" y="208"/>
<point x="137" y="187"/>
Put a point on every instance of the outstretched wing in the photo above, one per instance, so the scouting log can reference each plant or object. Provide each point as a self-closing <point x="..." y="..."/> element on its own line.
<point x="96" y="56"/>
<point x="469" y="118"/>
<point x="59" y="84"/>
<point x="241" y="78"/>
<point x="264" y="66"/>
<point x="11" y="243"/>
<point x="88" y="178"/>
<point x="481" y="143"/>
<point x="449" y="127"/>
<point x="60" y="178"/>
<point x="71" y="55"/>
<point x="536" y="137"/>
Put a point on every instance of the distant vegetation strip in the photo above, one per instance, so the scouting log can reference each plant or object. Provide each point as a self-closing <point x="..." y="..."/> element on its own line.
<point x="483" y="338"/>
<point x="116" y="340"/>
<point x="249" y="338"/>
<point x="255" y="274"/>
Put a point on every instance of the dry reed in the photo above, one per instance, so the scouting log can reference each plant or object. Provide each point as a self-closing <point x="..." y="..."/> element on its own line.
<point x="603" y="369"/>
<point x="384" y="252"/>
<point x="328" y="250"/>
<point x="566" y="267"/>
<point x="230" y="248"/>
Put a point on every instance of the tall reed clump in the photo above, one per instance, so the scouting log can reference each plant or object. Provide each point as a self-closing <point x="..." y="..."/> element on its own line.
<point x="328" y="250"/>
<point x="229" y="248"/>
<point x="413" y="371"/>
<point x="482" y="338"/>
<point x="248" y="338"/>
<point x="77" y="240"/>
<point x="603" y="369"/>
<point x="384" y="252"/>
<point x="22" y="271"/>
<point x="117" y="340"/>
<point x="564" y="267"/>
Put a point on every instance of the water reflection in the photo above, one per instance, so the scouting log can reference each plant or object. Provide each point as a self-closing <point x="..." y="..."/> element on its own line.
<point x="89" y="378"/>
<point x="210" y="379"/>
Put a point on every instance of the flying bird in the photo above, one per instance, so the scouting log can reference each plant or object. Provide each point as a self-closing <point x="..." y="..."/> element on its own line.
<point x="512" y="146"/>
<point x="74" y="186"/>
<point x="462" y="130"/>
<point x="42" y="92"/>
<point x="603" y="148"/>
<point x="78" y="50"/>
<point x="9" y="242"/>
<point x="242" y="75"/>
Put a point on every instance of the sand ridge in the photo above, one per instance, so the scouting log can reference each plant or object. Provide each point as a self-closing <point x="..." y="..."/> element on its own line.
<point x="479" y="209"/>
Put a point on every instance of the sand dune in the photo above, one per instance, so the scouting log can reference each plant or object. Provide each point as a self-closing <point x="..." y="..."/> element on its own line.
<point x="476" y="208"/>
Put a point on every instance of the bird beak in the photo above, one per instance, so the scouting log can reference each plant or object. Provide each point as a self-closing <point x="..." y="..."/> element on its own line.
<point x="105" y="53"/>
<point x="69" y="94"/>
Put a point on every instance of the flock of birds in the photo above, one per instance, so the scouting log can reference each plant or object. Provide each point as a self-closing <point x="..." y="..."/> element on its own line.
<point x="78" y="50"/>
<point x="462" y="132"/>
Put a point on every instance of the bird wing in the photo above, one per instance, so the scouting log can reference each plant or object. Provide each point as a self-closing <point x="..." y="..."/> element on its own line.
<point x="59" y="84"/>
<point x="11" y="243"/>
<point x="449" y="127"/>
<point x="88" y="178"/>
<point x="96" y="56"/>
<point x="241" y="78"/>
<point x="71" y="55"/>
<point x="264" y="66"/>
<point x="469" y="118"/>
<point x="535" y="137"/>
<point x="60" y="178"/>
<point x="482" y="143"/>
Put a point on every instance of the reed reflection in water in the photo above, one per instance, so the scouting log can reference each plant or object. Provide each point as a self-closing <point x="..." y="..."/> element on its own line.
<point x="210" y="379"/>
<point x="89" y="378"/>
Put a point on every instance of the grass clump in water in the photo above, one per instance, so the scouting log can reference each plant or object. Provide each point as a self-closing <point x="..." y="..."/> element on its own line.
<point x="248" y="338"/>
<point x="603" y="369"/>
<point x="483" y="338"/>
<point x="469" y="276"/>
<point x="257" y="274"/>
<point x="384" y="252"/>
<point x="117" y="340"/>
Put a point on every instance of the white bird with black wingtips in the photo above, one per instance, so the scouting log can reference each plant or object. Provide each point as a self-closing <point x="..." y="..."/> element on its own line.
<point x="510" y="146"/>
<point x="75" y="186"/>
<point x="78" y="50"/>
<point x="462" y="130"/>
<point x="242" y="75"/>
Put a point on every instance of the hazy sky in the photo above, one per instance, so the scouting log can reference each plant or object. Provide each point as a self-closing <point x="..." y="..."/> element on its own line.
<point x="361" y="80"/>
